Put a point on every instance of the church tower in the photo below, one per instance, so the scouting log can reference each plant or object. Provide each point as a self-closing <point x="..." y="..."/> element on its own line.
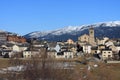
<point x="91" y="36"/>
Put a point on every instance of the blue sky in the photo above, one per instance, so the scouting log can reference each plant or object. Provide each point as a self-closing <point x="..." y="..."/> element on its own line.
<point x="25" y="16"/>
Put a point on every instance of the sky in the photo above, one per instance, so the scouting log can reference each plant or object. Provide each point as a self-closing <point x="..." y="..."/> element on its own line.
<point x="25" y="16"/>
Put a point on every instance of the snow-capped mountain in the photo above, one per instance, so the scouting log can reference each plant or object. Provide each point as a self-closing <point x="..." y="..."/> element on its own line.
<point x="108" y="29"/>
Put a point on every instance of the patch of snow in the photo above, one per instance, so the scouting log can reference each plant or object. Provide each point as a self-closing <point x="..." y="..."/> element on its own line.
<point x="71" y="29"/>
<point x="95" y="65"/>
<point x="14" y="68"/>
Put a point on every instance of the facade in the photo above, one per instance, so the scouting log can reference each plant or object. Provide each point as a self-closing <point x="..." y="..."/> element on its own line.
<point x="107" y="54"/>
<point x="94" y="50"/>
<point x="83" y="38"/>
<point x="88" y="38"/>
<point x="16" y="48"/>
<point x="91" y="36"/>
<point x="30" y="54"/>
<point x="70" y="41"/>
<point x="64" y="55"/>
<point x="68" y="55"/>
<point x="87" y="49"/>
<point x="100" y="47"/>
<point x="102" y="41"/>
<point x="3" y="36"/>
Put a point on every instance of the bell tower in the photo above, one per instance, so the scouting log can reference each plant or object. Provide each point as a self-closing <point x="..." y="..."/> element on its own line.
<point x="91" y="36"/>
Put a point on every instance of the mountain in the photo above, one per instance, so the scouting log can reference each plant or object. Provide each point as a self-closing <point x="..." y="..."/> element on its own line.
<point x="103" y="29"/>
<point x="9" y="33"/>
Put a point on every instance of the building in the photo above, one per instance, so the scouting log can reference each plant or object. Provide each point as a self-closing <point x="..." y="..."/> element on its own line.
<point x="31" y="54"/>
<point x="87" y="49"/>
<point x="101" y="46"/>
<point x="3" y="36"/>
<point x="102" y="41"/>
<point x="84" y="39"/>
<point x="91" y="36"/>
<point x="16" y="48"/>
<point x="107" y="54"/>
<point x="70" y="41"/>
<point x="64" y="55"/>
<point x="94" y="50"/>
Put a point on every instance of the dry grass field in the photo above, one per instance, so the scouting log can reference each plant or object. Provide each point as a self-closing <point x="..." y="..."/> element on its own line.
<point x="102" y="72"/>
<point x="4" y="63"/>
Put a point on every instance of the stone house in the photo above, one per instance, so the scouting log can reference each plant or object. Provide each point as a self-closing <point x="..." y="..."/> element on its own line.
<point x="88" y="38"/>
<point x="84" y="38"/>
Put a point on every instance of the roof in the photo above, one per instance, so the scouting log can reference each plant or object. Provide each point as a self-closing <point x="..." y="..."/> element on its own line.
<point x="51" y="51"/>
<point x="9" y="44"/>
<point x="6" y="50"/>
<point x="101" y="45"/>
<point x="106" y="49"/>
<point x="23" y="45"/>
<point x="87" y="44"/>
<point x="52" y="44"/>
<point x="94" y="48"/>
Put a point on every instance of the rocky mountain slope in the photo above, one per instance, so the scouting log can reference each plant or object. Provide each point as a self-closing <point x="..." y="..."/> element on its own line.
<point x="103" y="29"/>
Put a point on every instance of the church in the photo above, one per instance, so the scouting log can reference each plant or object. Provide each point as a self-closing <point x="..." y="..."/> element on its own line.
<point x="87" y="39"/>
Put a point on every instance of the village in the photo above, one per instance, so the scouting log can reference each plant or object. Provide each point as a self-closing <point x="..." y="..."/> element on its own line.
<point x="102" y="49"/>
<point x="85" y="59"/>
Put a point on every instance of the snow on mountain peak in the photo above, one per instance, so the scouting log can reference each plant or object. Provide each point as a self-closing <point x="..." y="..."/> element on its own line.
<point x="110" y="24"/>
<point x="113" y="23"/>
<point x="65" y="30"/>
<point x="72" y="29"/>
<point x="38" y="34"/>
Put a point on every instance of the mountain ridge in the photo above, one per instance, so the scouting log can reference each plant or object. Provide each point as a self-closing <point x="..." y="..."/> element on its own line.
<point x="74" y="32"/>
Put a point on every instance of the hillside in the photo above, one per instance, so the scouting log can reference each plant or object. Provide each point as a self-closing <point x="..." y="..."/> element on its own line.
<point x="107" y="29"/>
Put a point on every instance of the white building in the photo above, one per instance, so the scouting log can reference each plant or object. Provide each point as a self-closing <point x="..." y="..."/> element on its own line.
<point x="87" y="49"/>
<point x="30" y="54"/>
<point x="64" y="55"/>
<point x="16" y="48"/>
<point x="107" y="54"/>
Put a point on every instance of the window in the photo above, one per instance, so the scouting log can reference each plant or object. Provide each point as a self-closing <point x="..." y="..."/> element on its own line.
<point x="95" y="51"/>
<point x="28" y="56"/>
<point x="109" y="52"/>
<point x="91" y="32"/>
<point x="25" y="56"/>
<point x="70" y="56"/>
<point x="109" y="55"/>
<point x="60" y="53"/>
<point x="65" y="57"/>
